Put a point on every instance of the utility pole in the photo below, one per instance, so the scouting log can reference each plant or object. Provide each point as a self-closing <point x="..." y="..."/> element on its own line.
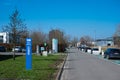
<point x="94" y="38"/>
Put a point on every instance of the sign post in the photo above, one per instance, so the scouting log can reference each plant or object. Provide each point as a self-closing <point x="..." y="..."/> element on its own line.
<point x="28" y="54"/>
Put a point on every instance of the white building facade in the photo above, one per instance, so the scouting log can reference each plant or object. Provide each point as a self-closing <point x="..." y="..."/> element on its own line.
<point x="4" y="37"/>
<point x="105" y="42"/>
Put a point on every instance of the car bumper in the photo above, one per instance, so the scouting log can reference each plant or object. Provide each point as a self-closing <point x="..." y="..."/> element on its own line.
<point x="114" y="56"/>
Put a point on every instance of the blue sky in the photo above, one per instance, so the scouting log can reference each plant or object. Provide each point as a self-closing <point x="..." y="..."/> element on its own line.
<point x="75" y="17"/>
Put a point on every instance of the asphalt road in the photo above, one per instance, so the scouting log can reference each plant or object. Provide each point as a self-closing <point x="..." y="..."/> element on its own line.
<point x="83" y="66"/>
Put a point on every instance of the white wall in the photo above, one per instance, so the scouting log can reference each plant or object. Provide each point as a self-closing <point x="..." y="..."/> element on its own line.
<point x="5" y="37"/>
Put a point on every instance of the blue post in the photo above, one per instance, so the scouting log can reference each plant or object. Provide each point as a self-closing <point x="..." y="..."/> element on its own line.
<point x="28" y="54"/>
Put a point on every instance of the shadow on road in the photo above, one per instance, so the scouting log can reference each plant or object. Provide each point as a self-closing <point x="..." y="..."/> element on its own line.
<point x="114" y="59"/>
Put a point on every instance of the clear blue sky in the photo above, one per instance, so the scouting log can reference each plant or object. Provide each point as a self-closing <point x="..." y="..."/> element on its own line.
<point x="74" y="17"/>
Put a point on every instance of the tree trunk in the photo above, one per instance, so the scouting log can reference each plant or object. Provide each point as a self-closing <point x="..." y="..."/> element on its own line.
<point x="14" y="55"/>
<point x="14" y="52"/>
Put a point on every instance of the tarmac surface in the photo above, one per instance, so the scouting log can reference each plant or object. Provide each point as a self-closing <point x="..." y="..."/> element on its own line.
<point x="83" y="66"/>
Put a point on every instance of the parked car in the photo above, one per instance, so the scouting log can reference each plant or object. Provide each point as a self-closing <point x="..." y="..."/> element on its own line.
<point x="23" y="50"/>
<point x="17" y="49"/>
<point x="89" y="50"/>
<point x="95" y="51"/>
<point x="112" y="53"/>
<point x="2" y="49"/>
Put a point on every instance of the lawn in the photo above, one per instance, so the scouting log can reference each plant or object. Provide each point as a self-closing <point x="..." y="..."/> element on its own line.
<point x="43" y="68"/>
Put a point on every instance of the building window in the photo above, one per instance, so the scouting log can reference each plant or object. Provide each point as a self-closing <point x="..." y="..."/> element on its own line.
<point x="1" y="39"/>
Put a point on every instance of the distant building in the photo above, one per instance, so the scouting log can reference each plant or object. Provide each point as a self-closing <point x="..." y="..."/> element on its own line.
<point x="4" y="37"/>
<point x="105" y="42"/>
<point x="78" y="44"/>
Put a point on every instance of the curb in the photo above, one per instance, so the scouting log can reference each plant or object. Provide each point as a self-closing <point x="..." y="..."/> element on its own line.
<point x="61" y="69"/>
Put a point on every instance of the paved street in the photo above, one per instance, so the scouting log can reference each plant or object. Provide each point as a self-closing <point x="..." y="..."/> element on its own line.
<point x="83" y="66"/>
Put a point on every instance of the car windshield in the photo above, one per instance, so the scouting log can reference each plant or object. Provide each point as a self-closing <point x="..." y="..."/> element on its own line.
<point x="115" y="50"/>
<point x="95" y="49"/>
<point x="17" y="47"/>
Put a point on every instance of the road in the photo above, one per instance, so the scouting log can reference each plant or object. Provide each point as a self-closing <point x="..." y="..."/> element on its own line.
<point x="83" y="66"/>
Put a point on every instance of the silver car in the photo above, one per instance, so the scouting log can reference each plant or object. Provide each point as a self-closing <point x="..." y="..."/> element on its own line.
<point x="17" y="49"/>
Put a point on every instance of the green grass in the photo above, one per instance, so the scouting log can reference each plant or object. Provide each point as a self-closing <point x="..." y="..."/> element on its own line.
<point x="43" y="68"/>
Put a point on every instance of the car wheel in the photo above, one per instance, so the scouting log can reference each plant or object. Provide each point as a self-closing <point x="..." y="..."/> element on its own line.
<point x="105" y="56"/>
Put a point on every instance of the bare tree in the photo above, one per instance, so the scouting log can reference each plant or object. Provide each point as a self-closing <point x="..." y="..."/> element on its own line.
<point x="38" y="37"/>
<point x="116" y="36"/>
<point x="16" y="28"/>
<point x="83" y="41"/>
<point x="86" y="40"/>
<point x="58" y="34"/>
<point x="74" y="41"/>
<point x="23" y="38"/>
<point x="67" y="39"/>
